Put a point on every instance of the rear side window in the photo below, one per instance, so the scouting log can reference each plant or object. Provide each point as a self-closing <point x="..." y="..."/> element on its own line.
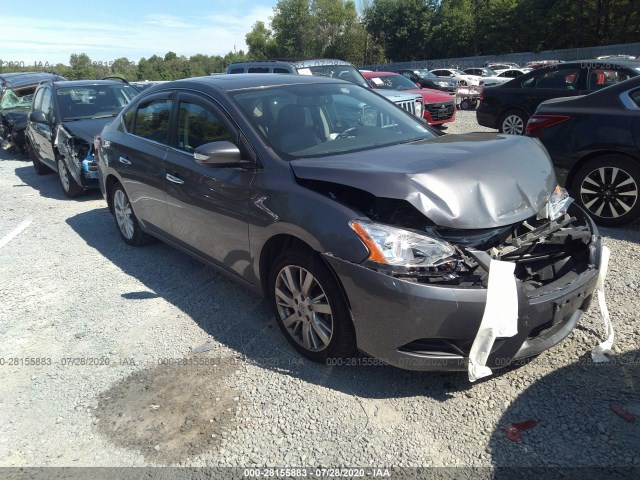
<point x="280" y="70"/>
<point x="562" y="79"/>
<point x="152" y="120"/>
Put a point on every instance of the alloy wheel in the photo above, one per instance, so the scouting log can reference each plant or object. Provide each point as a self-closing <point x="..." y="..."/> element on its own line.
<point x="513" y="125"/>
<point x="609" y="192"/>
<point x="303" y="307"/>
<point x="124" y="214"/>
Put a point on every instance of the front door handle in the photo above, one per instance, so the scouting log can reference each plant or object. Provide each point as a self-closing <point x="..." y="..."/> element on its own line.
<point x="124" y="160"/>
<point x="174" y="179"/>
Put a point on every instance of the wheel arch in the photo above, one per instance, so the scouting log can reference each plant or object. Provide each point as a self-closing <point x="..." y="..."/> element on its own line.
<point x="591" y="156"/>
<point x="283" y="242"/>
<point x="109" y="183"/>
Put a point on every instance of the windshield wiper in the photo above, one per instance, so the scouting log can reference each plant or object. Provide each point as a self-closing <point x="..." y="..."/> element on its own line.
<point x="106" y="116"/>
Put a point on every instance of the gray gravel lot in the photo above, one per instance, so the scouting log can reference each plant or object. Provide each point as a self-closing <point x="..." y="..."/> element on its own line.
<point x="73" y="293"/>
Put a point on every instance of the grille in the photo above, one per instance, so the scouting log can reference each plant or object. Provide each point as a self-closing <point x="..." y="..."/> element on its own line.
<point x="411" y="106"/>
<point x="440" y="110"/>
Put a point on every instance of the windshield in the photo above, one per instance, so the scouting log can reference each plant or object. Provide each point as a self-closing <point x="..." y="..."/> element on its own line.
<point x="392" y="82"/>
<point x="93" y="101"/>
<point x="18" y="98"/>
<point x="458" y="72"/>
<point x="343" y="72"/>
<point x="327" y="119"/>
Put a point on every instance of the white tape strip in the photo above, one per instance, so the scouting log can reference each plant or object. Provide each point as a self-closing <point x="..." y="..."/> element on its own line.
<point x="15" y="232"/>
<point x="500" y="317"/>
<point x="598" y="353"/>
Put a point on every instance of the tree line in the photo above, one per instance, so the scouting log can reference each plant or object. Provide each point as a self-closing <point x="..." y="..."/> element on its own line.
<point x="381" y="31"/>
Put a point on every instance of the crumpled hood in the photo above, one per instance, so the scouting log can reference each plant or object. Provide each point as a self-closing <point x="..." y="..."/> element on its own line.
<point x="87" y="129"/>
<point x="458" y="181"/>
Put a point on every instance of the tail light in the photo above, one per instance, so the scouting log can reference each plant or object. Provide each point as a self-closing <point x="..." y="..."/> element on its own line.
<point x="538" y="123"/>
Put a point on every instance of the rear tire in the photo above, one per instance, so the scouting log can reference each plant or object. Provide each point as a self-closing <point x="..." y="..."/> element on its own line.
<point x="514" y="122"/>
<point x="607" y="188"/>
<point x="126" y="219"/>
<point x="309" y="306"/>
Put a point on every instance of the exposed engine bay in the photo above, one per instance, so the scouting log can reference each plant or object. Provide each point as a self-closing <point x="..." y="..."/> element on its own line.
<point x="543" y="250"/>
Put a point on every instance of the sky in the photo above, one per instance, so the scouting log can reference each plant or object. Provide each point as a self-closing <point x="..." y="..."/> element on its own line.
<point x="39" y="32"/>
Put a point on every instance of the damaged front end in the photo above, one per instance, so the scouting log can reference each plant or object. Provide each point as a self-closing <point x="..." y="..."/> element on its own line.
<point x="79" y="156"/>
<point x="437" y="278"/>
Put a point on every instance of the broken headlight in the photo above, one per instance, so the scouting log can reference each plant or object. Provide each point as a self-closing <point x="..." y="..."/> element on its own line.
<point x="397" y="247"/>
<point x="557" y="204"/>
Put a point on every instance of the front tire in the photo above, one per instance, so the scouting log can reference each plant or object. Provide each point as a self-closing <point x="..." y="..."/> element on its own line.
<point x="39" y="167"/>
<point x="69" y="186"/>
<point x="514" y="122"/>
<point x="607" y="188"/>
<point x="309" y="306"/>
<point x="126" y="220"/>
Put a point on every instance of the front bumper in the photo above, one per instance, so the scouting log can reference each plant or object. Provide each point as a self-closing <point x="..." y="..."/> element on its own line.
<point x="425" y="327"/>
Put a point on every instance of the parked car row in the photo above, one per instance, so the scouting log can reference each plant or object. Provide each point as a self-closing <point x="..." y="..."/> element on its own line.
<point x="587" y="116"/>
<point x="332" y="68"/>
<point x="439" y="107"/>
<point x="364" y="228"/>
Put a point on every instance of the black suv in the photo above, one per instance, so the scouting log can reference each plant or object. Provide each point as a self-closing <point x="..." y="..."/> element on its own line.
<point x="509" y="106"/>
<point x="16" y="95"/>
<point x="64" y="118"/>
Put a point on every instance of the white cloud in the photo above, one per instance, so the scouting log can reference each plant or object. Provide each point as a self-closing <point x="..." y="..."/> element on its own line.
<point x="167" y="21"/>
<point x="40" y="40"/>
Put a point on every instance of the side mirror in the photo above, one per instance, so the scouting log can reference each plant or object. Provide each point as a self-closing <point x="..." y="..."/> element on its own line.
<point x="219" y="154"/>
<point x="38" y="117"/>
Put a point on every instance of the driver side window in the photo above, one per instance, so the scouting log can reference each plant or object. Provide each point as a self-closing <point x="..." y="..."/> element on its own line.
<point x="197" y="126"/>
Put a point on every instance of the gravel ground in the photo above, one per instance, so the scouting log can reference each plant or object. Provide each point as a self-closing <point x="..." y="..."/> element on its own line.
<point x="73" y="293"/>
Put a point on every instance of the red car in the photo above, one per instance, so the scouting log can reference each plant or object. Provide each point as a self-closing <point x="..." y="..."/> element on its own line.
<point x="439" y="107"/>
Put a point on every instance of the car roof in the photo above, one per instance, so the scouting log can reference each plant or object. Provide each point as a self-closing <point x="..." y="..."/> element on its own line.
<point x="373" y="74"/>
<point x="86" y="83"/>
<point x="231" y="82"/>
<point x="603" y="63"/>
<point x="21" y="79"/>
<point x="297" y="62"/>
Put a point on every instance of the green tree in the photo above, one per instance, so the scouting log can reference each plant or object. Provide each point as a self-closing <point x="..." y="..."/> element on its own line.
<point x="261" y="42"/>
<point x="81" y="67"/>
<point x="401" y="27"/>
<point x="292" y="24"/>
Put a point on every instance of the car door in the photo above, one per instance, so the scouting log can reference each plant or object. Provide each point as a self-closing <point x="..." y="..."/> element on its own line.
<point x="138" y="156"/>
<point x="553" y="83"/>
<point x="208" y="205"/>
<point x="42" y="133"/>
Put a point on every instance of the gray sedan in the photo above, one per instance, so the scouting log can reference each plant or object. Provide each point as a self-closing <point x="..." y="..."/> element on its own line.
<point x="364" y="228"/>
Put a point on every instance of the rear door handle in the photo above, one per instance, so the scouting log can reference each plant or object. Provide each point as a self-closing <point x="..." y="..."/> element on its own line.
<point x="124" y="160"/>
<point x="174" y="179"/>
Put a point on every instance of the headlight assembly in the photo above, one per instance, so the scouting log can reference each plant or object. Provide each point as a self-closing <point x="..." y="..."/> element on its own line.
<point x="397" y="247"/>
